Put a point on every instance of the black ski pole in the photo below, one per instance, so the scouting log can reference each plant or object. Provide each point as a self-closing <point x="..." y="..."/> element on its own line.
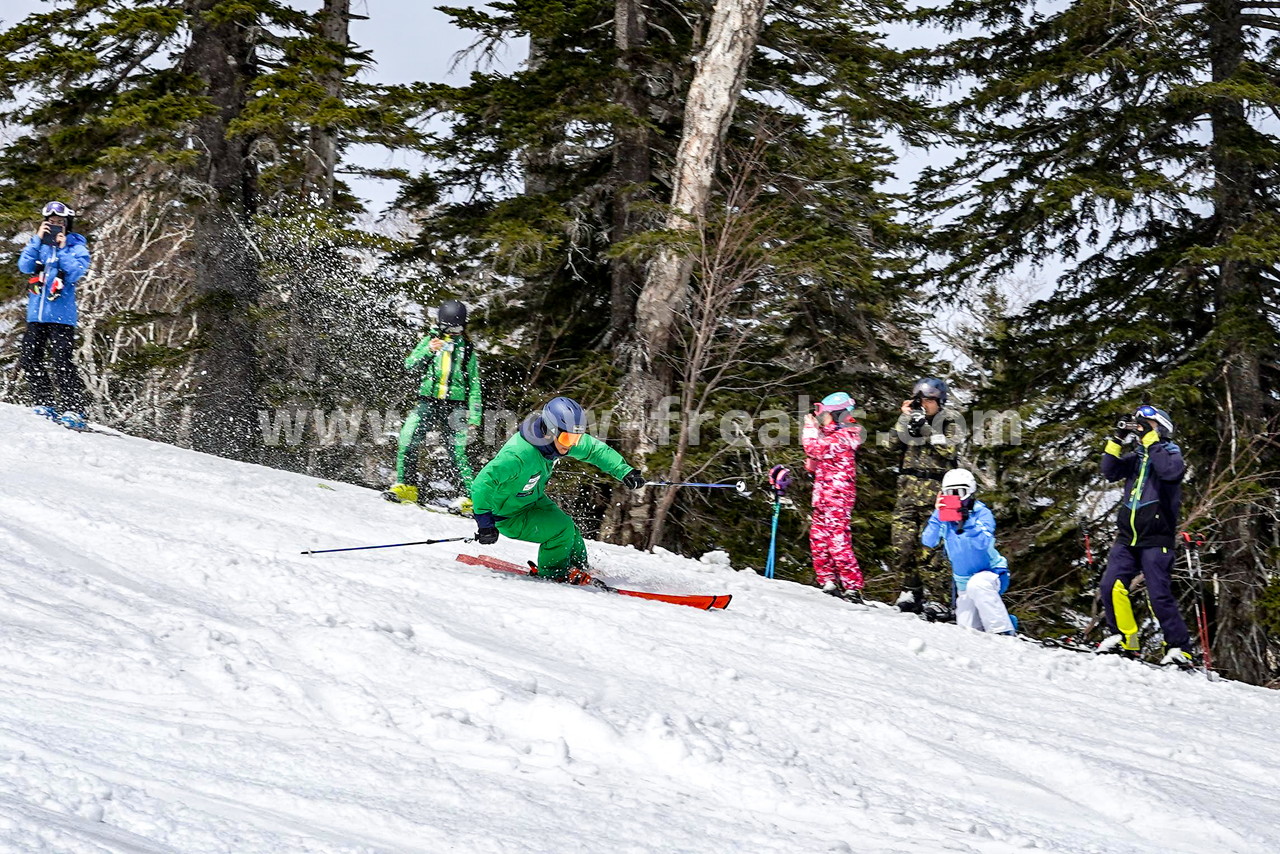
<point x="388" y="546"/>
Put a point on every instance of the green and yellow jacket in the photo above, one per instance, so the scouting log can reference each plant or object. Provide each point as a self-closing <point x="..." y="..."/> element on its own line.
<point x="453" y="373"/>
<point x="517" y="476"/>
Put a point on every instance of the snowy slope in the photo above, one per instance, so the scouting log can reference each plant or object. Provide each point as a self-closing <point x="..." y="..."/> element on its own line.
<point x="175" y="677"/>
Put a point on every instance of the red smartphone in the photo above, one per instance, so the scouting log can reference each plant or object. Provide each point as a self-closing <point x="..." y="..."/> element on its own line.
<point x="949" y="508"/>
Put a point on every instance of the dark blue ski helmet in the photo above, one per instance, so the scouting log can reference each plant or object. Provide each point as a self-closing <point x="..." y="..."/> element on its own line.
<point x="564" y="416"/>
<point x="452" y="316"/>
<point x="931" y="387"/>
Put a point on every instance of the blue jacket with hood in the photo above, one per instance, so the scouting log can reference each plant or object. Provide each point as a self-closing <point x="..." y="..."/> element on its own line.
<point x="971" y="545"/>
<point x="70" y="263"/>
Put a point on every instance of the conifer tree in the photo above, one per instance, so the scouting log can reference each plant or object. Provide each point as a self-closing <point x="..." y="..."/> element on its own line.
<point x="544" y="196"/>
<point x="1127" y="142"/>
<point x="221" y="108"/>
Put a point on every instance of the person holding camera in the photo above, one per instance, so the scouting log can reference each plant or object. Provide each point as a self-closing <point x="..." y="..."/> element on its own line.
<point x="967" y="529"/>
<point x="1147" y="523"/>
<point x="831" y="438"/>
<point x="929" y="437"/>
<point x="56" y="258"/>
<point x="450" y="403"/>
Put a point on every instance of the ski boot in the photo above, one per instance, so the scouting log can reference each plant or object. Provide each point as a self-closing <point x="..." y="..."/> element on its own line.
<point x="46" y="412"/>
<point x="854" y="595"/>
<point x="1179" y="657"/>
<point x="1119" y="644"/>
<point x="936" y="612"/>
<point x="402" y="493"/>
<point x="831" y="588"/>
<point x="72" y="420"/>
<point x="907" y="602"/>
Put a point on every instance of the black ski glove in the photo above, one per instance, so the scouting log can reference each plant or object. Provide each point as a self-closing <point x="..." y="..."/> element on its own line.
<point x="633" y="480"/>
<point x="487" y="532"/>
<point x="1125" y="431"/>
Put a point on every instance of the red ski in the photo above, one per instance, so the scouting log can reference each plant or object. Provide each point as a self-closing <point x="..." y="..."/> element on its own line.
<point x="705" y="603"/>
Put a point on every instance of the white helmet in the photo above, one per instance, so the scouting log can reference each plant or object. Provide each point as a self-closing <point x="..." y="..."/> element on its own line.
<point x="959" y="482"/>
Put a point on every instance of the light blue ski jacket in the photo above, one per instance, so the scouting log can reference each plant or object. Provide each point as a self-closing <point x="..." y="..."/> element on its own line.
<point x="972" y="549"/>
<point x="72" y="261"/>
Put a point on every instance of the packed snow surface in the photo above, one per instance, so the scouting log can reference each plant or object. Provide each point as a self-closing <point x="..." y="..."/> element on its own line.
<point x="176" y="677"/>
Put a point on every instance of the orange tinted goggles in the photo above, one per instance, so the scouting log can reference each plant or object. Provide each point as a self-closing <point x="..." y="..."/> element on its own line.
<point x="568" y="440"/>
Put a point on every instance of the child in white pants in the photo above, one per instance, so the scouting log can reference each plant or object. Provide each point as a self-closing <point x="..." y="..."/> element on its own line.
<point x="967" y="529"/>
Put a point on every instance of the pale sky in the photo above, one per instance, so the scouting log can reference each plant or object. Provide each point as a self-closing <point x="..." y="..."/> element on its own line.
<point x="410" y="41"/>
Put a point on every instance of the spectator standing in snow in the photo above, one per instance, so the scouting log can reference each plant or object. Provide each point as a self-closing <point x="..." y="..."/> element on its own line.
<point x="55" y="258"/>
<point x="929" y="437"/>
<point x="967" y="529"/>
<point x="831" y="438"/>
<point x="1147" y="523"/>
<point x="510" y="492"/>
<point x="450" y="403"/>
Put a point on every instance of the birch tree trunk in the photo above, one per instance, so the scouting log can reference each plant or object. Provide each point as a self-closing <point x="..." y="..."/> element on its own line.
<point x="647" y="357"/>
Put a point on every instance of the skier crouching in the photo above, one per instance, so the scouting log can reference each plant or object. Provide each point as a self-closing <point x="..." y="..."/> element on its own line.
<point x="510" y="492"/>
<point x="831" y="438"/>
<point x="967" y="528"/>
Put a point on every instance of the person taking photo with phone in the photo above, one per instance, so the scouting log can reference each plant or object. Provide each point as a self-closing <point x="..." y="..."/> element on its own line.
<point x="967" y="529"/>
<point x="55" y="259"/>
<point x="929" y="437"/>
<point x="831" y="438"/>
<point x="450" y="404"/>
<point x="1146" y="524"/>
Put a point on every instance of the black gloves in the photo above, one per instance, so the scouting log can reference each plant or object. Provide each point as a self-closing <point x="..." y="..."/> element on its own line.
<point x="487" y="533"/>
<point x="633" y="480"/>
<point x="1125" y="431"/>
<point x="915" y="425"/>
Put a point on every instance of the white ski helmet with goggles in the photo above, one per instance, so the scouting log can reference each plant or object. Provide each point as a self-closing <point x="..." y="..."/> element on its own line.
<point x="57" y="209"/>
<point x="1158" y="417"/>
<point x="959" y="482"/>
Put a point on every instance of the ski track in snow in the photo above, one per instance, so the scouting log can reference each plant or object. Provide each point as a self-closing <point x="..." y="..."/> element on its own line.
<point x="177" y="678"/>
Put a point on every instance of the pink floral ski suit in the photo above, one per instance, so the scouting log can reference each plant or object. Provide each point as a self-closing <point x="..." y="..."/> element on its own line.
<point x="831" y="452"/>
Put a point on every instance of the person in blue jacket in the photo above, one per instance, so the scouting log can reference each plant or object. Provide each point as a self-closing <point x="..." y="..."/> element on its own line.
<point x="56" y="258"/>
<point x="967" y="528"/>
<point x="1147" y="523"/>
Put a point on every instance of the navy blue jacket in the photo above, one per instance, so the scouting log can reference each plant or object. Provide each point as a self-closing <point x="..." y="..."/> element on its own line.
<point x="1148" y="515"/>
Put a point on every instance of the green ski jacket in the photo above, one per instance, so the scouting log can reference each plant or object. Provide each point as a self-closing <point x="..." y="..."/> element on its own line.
<point x="517" y="477"/>
<point x="452" y="373"/>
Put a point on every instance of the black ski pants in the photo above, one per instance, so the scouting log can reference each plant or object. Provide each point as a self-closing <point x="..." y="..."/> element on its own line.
<point x="57" y="341"/>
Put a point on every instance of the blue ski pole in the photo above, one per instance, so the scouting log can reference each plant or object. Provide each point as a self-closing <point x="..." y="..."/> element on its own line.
<point x="779" y="480"/>
<point x="739" y="486"/>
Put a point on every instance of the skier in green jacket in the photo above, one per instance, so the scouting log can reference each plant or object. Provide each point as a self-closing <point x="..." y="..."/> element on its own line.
<point x="510" y="492"/>
<point x="449" y="403"/>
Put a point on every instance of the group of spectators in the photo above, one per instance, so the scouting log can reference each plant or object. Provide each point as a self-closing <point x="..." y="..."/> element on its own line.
<point x="936" y="504"/>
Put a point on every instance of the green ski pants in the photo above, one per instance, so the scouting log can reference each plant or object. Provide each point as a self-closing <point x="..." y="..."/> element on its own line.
<point x="560" y="545"/>
<point x="447" y="418"/>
